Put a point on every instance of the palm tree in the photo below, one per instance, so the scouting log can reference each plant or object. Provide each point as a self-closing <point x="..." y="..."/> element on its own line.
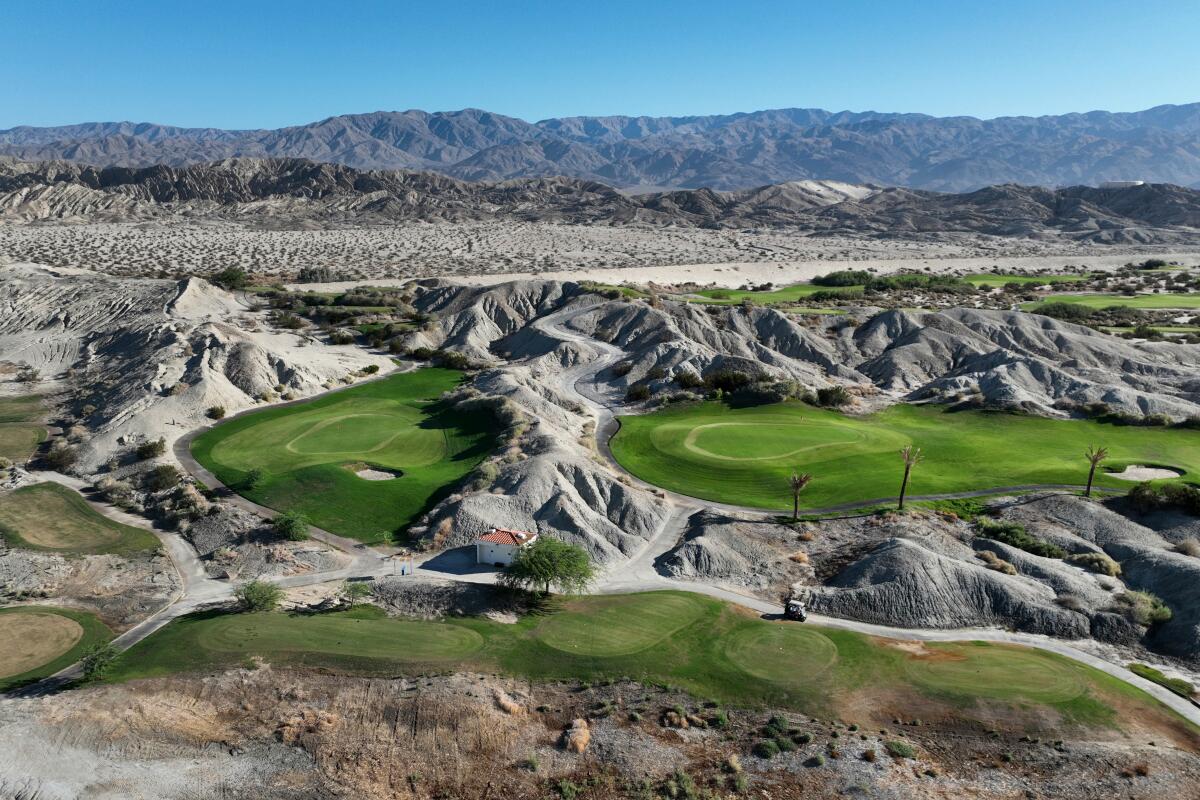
<point x="798" y="481"/>
<point x="912" y="457"/>
<point x="1094" y="456"/>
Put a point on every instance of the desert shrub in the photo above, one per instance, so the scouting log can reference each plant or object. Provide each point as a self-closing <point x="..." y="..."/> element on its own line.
<point x="61" y="456"/>
<point x="290" y="525"/>
<point x="1068" y="312"/>
<point x="843" y="277"/>
<point x="656" y="374"/>
<point x="832" y="396"/>
<point x="258" y="595"/>
<point x="764" y="393"/>
<point x="231" y="278"/>
<point x="622" y="368"/>
<point x="898" y="749"/>
<point x="995" y="562"/>
<point x="288" y="321"/>
<point x="1143" y="608"/>
<point x="163" y="477"/>
<point x="452" y="359"/>
<point x="215" y="412"/>
<point x="728" y="380"/>
<point x="341" y="336"/>
<point x="637" y="393"/>
<point x="315" y="275"/>
<point x="421" y="353"/>
<point x="1014" y="535"/>
<point x="151" y="449"/>
<point x="767" y="748"/>
<point x="371" y="369"/>
<point x="686" y="379"/>
<point x="1096" y="562"/>
<point x="1189" y="547"/>
<point x="1147" y="497"/>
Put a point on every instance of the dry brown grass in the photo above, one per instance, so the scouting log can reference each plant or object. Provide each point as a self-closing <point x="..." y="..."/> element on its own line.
<point x="33" y="638"/>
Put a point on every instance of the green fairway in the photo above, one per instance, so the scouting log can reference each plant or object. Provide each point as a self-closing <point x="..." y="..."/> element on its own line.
<point x="1099" y="301"/>
<point x="47" y="516"/>
<point x="787" y="294"/>
<point x="708" y="647"/>
<point x="41" y="640"/>
<point x="744" y="456"/>
<point x="991" y="281"/>
<point x="310" y="453"/>
<point x="21" y="428"/>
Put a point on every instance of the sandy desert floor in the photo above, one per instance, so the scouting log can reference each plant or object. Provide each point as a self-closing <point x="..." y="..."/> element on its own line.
<point x="495" y="251"/>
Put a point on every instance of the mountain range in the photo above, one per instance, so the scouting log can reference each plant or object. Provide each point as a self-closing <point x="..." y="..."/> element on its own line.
<point x="723" y="152"/>
<point x="290" y="192"/>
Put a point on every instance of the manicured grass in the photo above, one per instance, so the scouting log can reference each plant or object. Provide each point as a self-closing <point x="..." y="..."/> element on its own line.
<point x="1159" y="328"/>
<point x="786" y="294"/>
<point x="745" y="456"/>
<point x="21" y="427"/>
<point x="50" y="517"/>
<point x="67" y="636"/>
<point x="990" y="280"/>
<point x="1098" y="301"/>
<point x="1177" y="685"/>
<point x="307" y="452"/>
<point x="710" y="648"/>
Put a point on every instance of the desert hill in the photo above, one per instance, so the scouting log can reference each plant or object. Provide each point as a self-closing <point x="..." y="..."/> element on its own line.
<point x="296" y="191"/>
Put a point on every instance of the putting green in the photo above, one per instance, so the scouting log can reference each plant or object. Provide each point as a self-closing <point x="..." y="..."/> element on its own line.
<point x="744" y="456"/>
<point x="47" y="516"/>
<point x="982" y="670"/>
<point x="395" y="425"/>
<point x="40" y="640"/>
<point x="782" y="653"/>
<point x="21" y="428"/>
<point x="1183" y="300"/>
<point x="619" y="625"/>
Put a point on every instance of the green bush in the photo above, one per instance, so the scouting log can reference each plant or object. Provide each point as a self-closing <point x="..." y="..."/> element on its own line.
<point x="900" y="749"/>
<point x="371" y="369"/>
<point x="843" y="277"/>
<point x="99" y="660"/>
<point x="258" y="595"/>
<point x="291" y="525"/>
<point x="215" y="412"/>
<point x="1147" y="497"/>
<point x="728" y="380"/>
<point x="767" y="748"/>
<point x="163" y="477"/>
<point x="1068" y="312"/>
<point x="833" y="295"/>
<point x="637" y="393"/>
<point x="231" y="278"/>
<point x="832" y="396"/>
<point x="152" y="449"/>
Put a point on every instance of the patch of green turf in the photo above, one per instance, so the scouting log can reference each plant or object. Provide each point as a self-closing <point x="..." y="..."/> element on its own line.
<point x="694" y="642"/>
<point x="1159" y="328"/>
<point x="744" y="456"/>
<point x="53" y="518"/>
<point x="94" y="632"/>
<point x="1098" y="301"/>
<point x="988" y="279"/>
<point x="1177" y="685"/>
<point x="306" y="450"/>
<point x="21" y="428"/>
<point x="786" y="294"/>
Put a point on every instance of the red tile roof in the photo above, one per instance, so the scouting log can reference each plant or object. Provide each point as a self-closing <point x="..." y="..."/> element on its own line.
<point x="505" y="536"/>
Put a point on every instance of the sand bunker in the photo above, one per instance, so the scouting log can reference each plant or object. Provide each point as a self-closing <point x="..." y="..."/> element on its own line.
<point x="34" y="638"/>
<point x="368" y="473"/>
<point x="1139" y="473"/>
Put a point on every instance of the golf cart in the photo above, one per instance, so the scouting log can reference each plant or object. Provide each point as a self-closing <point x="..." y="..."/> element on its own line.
<point x="795" y="610"/>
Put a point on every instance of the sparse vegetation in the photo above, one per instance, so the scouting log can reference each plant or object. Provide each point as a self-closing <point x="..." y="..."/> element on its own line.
<point x="258" y="596"/>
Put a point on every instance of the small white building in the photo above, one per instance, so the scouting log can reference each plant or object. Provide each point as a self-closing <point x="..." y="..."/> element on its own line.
<point x="499" y="546"/>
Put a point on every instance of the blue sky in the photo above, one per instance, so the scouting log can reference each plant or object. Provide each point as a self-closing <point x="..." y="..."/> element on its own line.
<point x="270" y="64"/>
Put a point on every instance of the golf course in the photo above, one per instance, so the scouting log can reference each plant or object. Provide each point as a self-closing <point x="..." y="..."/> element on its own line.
<point x="1180" y="300"/>
<point x="744" y="456"/>
<point x="363" y="462"/>
<point x="41" y="640"/>
<point x="50" y="517"/>
<point x="697" y="643"/>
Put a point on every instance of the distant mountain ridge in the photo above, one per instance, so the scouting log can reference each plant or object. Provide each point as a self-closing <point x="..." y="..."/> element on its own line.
<point x="724" y="152"/>
<point x="290" y="192"/>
